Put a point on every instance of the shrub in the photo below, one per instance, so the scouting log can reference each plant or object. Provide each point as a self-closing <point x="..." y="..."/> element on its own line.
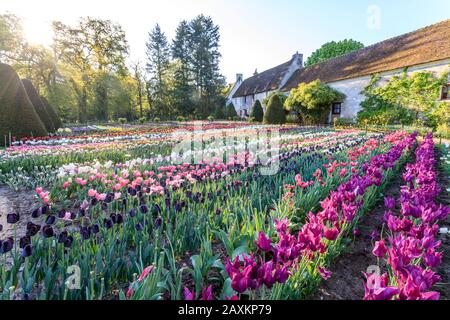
<point x="211" y="118"/>
<point x="236" y="118"/>
<point x="292" y="118"/>
<point x="17" y="114"/>
<point x="38" y="105"/>
<point x="251" y="119"/>
<point x="343" y="122"/>
<point x="181" y="119"/>
<point x="142" y="120"/>
<point x="122" y="120"/>
<point x="257" y="112"/>
<point x="156" y="120"/>
<point x="275" y="112"/>
<point x="57" y="123"/>
<point x="231" y="111"/>
<point x="220" y="112"/>
<point x="312" y="101"/>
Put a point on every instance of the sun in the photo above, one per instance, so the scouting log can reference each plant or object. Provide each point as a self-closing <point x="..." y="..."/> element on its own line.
<point x="37" y="31"/>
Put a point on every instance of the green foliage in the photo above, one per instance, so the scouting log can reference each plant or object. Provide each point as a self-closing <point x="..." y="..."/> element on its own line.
<point x="275" y="112"/>
<point x="17" y="114"/>
<point x="221" y="112"/>
<point x="257" y="112"/>
<point x="343" y="122"/>
<point x="38" y="105"/>
<point x="122" y="120"/>
<point x="11" y="37"/>
<point x="404" y="100"/>
<point x="292" y="118"/>
<point x="156" y="120"/>
<point x="333" y="49"/>
<point x="231" y="111"/>
<point x="280" y="95"/>
<point x="142" y="120"/>
<point x="52" y="113"/>
<point x="312" y="101"/>
<point x="211" y="118"/>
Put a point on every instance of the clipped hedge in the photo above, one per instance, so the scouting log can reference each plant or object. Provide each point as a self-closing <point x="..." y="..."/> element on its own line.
<point x="38" y="105"/>
<point x="257" y="112"/>
<point x="57" y="123"/>
<point x="275" y="112"/>
<point x="17" y="114"/>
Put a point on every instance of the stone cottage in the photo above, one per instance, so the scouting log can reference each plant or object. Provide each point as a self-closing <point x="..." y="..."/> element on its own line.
<point x="426" y="49"/>
<point x="261" y="85"/>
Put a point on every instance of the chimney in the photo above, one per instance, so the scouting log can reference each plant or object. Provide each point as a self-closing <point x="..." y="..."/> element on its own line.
<point x="298" y="58"/>
<point x="239" y="77"/>
<point x="256" y="72"/>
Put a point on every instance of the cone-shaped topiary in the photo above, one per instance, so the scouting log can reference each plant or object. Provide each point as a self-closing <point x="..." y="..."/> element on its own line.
<point x="17" y="114"/>
<point x="38" y="105"/>
<point x="231" y="111"/>
<point x="257" y="113"/>
<point x="52" y="113"/>
<point x="275" y="112"/>
<point x="219" y="113"/>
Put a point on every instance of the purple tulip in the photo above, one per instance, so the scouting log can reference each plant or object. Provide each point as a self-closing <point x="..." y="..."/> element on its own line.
<point x="263" y="243"/>
<point x="380" y="249"/>
<point x="12" y="218"/>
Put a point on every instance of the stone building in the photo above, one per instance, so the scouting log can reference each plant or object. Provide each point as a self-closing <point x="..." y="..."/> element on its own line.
<point x="426" y="49"/>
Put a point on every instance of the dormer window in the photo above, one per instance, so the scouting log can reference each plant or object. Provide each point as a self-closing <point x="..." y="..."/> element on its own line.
<point x="445" y="92"/>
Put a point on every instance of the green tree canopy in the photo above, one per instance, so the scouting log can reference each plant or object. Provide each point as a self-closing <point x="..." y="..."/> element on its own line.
<point x="312" y="101"/>
<point x="231" y="111"/>
<point x="333" y="49"/>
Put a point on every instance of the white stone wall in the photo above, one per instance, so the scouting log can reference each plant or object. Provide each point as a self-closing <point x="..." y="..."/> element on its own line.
<point x="352" y="88"/>
<point x="241" y="104"/>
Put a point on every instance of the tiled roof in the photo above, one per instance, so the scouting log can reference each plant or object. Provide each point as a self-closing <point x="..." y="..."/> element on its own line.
<point x="425" y="45"/>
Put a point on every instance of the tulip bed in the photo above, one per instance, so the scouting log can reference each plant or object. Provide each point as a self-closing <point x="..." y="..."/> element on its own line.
<point x="116" y="212"/>
<point x="412" y="249"/>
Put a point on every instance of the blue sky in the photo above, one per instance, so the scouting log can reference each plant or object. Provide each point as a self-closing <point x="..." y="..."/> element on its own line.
<point x="255" y="33"/>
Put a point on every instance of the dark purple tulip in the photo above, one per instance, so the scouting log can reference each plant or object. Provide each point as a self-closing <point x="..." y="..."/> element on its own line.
<point x="24" y="241"/>
<point x="85" y="233"/>
<point x="81" y="213"/>
<point x="26" y="297"/>
<point x="156" y="208"/>
<point x="138" y="188"/>
<point x="167" y="202"/>
<point x="94" y="201"/>
<point x="6" y="245"/>
<point x="108" y="223"/>
<point x="124" y="202"/>
<point x="73" y="215"/>
<point x="178" y="207"/>
<point x="36" y="213"/>
<point x="113" y="218"/>
<point x="12" y="218"/>
<point x="27" y="251"/>
<point x="68" y="242"/>
<point x="143" y="209"/>
<point x="138" y="227"/>
<point x="104" y="206"/>
<point x="158" y="222"/>
<point x="218" y="212"/>
<point x="63" y="236"/>
<point x="50" y="220"/>
<point x="132" y="212"/>
<point x="133" y="192"/>
<point x="1" y="227"/>
<point x="45" y="209"/>
<point x="95" y="229"/>
<point x="109" y="198"/>
<point x="61" y="213"/>
<point x="119" y="219"/>
<point x="47" y="232"/>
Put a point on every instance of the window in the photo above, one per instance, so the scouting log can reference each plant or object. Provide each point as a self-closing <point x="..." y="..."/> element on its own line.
<point x="445" y="92"/>
<point x="337" y="108"/>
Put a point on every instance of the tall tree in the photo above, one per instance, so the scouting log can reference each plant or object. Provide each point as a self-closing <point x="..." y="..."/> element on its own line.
<point x="204" y="62"/>
<point x="93" y="47"/>
<point x="181" y="52"/>
<point x="333" y="49"/>
<point x="11" y="37"/>
<point x="158" y="63"/>
<point x="139" y="78"/>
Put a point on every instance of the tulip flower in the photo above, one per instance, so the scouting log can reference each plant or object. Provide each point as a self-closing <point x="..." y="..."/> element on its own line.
<point x="380" y="249"/>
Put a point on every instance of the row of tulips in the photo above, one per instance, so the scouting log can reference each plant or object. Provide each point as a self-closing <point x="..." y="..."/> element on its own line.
<point x="290" y="264"/>
<point x="111" y="236"/>
<point x="411" y="250"/>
